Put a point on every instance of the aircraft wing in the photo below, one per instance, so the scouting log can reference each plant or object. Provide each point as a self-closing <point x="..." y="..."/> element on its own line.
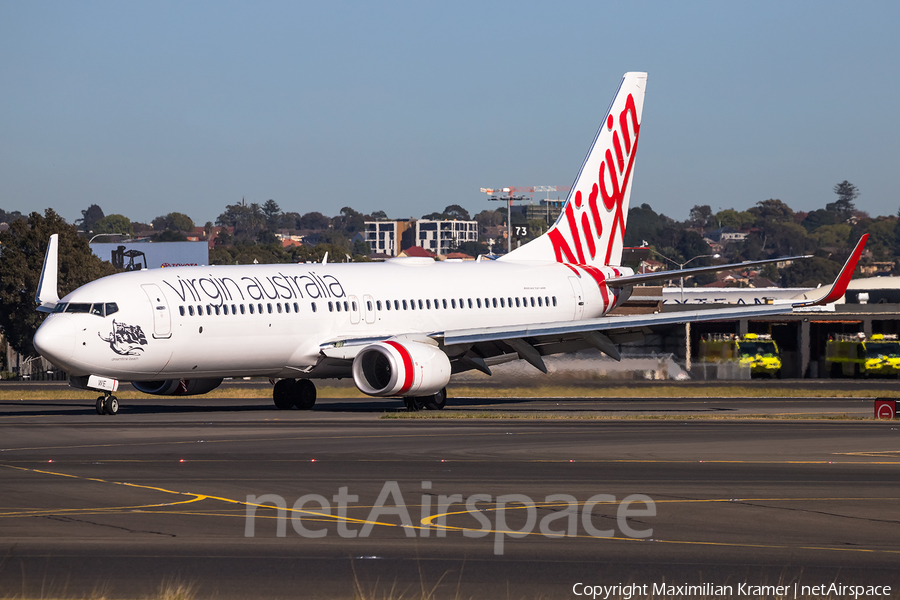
<point x="479" y="347"/>
<point x="641" y="278"/>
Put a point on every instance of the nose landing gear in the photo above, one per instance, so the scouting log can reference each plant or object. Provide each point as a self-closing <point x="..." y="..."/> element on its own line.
<point x="107" y="405"/>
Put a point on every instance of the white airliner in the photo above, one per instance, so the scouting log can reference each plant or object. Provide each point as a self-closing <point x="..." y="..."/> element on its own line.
<point x="399" y="328"/>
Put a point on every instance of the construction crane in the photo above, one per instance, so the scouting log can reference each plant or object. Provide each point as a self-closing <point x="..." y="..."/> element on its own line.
<point x="517" y="193"/>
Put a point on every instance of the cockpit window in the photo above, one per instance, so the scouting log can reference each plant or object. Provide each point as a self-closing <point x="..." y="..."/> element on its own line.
<point x="101" y="309"/>
<point x="78" y="307"/>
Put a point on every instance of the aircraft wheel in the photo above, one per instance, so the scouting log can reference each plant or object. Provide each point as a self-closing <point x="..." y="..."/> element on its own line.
<point x="304" y="394"/>
<point x="111" y="405"/>
<point x="100" y="409"/>
<point x="413" y="403"/>
<point x="283" y="394"/>
<point x="436" y="402"/>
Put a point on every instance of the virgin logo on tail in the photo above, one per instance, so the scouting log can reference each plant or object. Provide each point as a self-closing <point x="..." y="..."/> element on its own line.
<point x="613" y="177"/>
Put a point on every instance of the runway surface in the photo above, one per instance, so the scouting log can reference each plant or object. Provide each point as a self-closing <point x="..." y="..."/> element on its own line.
<point x="163" y="490"/>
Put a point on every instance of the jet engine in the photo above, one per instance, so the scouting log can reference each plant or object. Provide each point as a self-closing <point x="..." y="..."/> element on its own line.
<point x="401" y="368"/>
<point x="177" y="387"/>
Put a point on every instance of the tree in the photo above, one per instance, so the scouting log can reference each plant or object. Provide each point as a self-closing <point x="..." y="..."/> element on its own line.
<point x="455" y="211"/>
<point x="819" y="218"/>
<point x="314" y="221"/>
<point x="349" y="221"/>
<point x="22" y="250"/>
<point x="174" y="221"/>
<point x="809" y="273"/>
<point x="772" y="210"/>
<point x="731" y="218"/>
<point x="272" y="212"/>
<point x="114" y="224"/>
<point x="89" y="216"/>
<point x="10" y="216"/>
<point x="379" y="215"/>
<point x="246" y="220"/>
<point x="847" y="193"/>
<point x="701" y="216"/>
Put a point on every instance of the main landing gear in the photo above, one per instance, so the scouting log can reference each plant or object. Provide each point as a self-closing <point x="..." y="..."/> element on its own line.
<point x="435" y="402"/>
<point x="107" y="405"/>
<point x="290" y="393"/>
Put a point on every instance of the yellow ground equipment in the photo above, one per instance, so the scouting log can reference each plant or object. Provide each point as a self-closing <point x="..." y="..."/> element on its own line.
<point x="856" y="356"/>
<point x="757" y="351"/>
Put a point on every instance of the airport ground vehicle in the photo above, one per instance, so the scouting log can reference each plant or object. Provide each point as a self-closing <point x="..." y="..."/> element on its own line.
<point x="757" y="351"/>
<point x="855" y="355"/>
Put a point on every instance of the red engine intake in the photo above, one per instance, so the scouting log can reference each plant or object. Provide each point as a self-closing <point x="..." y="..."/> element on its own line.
<point x="393" y="368"/>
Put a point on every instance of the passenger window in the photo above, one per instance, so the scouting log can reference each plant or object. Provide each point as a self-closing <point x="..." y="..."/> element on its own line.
<point x="387" y="305"/>
<point x="251" y="309"/>
<point x="470" y="302"/>
<point x="428" y="303"/>
<point x="354" y="307"/>
<point x="287" y="307"/>
<point x="461" y="303"/>
<point x="277" y="306"/>
<point x="517" y="303"/>
<point x="338" y="306"/>
<point x="208" y="310"/>
<point x="421" y="305"/>
<point x="259" y="308"/>
<point x="217" y="309"/>
<point x="404" y="305"/>
<point x="313" y="304"/>
<point x="509" y="302"/>
<point x="269" y="307"/>
<point x="478" y="302"/>
<point x="444" y="302"/>
<point x="495" y="303"/>
<point x="554" y="300"/>
<point x="191" y="310"/>
<point x="502" y="303"/>
<point x="453" y="302"/>
<point x="225" y="309"/>
<point x="369" y="305"/>
<point x="378" y="304"/>
<point x="181" y="310"/>
<point x="540" y="301"/>
<point x="242" y="309"/>
<point x="346" y="306"/>
<point x="296" y="307"/>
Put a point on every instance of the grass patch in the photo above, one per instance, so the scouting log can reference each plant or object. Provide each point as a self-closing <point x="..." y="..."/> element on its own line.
<point x="661" y="391"/>
<point x="454" y="414"/>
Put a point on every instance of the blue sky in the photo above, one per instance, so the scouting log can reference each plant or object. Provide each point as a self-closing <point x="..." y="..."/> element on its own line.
<point x="151" y="107"/>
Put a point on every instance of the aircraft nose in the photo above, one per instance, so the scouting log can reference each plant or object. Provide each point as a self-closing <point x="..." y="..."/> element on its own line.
<point x="55" y="339"/>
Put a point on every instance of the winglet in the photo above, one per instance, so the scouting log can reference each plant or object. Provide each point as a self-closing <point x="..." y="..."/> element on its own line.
<point x="47" y="295"/>
<point x="839" y="287"/>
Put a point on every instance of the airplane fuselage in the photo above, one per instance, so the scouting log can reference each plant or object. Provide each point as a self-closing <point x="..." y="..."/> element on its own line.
<point x="272" y="320"/>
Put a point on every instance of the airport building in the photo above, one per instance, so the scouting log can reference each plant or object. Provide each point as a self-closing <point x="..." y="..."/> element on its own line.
<point x="871" y="306"/>
<point x="442" y="237"/>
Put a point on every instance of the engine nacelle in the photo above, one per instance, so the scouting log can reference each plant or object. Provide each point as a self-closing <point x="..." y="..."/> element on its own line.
<point x="177" y="387"/>
<point x="393" y="368"/>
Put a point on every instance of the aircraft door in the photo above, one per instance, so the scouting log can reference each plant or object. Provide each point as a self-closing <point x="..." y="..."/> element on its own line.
<point x="354" y="310"/>
<point x="578" y="294"/>
<point x="369" y="308"/>
<point x="162" y="319"/>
